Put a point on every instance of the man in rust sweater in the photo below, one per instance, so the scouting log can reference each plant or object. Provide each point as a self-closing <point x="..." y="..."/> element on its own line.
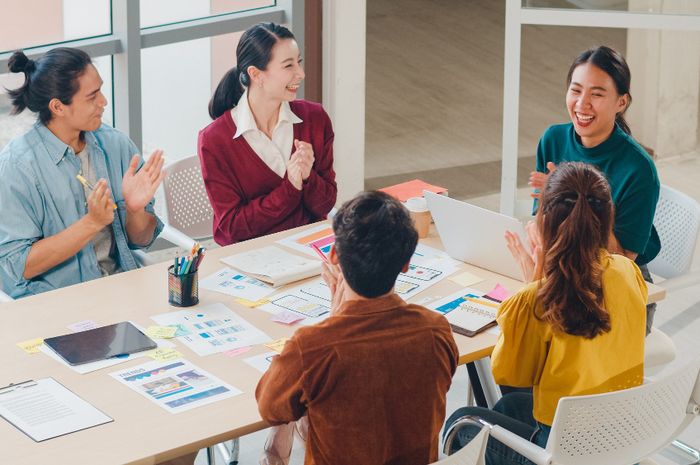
<point x="373" y="377"/>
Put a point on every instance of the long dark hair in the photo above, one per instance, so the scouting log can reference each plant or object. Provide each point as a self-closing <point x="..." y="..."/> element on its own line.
<point x="254" y="49"/>
<point x="615" y="66"/>
<point x="54" y="75"/>
<point x="576" y="220"/>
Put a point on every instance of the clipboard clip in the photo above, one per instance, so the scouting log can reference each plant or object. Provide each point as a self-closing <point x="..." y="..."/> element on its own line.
<point x="12" y="387"/>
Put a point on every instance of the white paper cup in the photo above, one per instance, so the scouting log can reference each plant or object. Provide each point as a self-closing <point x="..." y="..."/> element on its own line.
<point x="418" y="208"/>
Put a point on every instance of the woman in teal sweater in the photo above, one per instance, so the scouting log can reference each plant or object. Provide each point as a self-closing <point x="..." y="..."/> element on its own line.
<point x="596" y="99"/>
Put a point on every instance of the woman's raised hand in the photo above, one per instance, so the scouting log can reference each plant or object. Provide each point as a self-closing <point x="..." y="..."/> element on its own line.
<point x="305" y="154"/>
<point x="530" y="261"/>
<point x="538" y="180"/>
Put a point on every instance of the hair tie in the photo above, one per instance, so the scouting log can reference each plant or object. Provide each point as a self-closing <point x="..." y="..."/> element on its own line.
<point x="243" y="78"/>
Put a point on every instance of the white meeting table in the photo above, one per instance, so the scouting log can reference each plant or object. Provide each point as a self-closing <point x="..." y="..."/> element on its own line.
<point x="143" y="432"/>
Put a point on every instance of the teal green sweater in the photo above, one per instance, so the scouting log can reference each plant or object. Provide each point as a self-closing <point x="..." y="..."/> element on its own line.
<point x="634" y="183"/>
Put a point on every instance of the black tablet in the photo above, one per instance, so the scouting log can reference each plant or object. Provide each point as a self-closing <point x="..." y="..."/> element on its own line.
<point x="100" y="343"/>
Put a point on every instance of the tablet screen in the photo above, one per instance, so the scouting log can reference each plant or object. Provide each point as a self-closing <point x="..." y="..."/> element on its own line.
<point x="100" y="343"/>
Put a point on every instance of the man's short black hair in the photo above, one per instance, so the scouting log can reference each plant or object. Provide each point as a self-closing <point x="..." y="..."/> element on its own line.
<point x="374" y="239"/>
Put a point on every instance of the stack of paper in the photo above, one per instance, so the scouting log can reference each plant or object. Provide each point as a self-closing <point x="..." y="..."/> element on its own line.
<point x="414" y="188"/>
<point x="274" y="266"/>
<point x="315" y="241"/>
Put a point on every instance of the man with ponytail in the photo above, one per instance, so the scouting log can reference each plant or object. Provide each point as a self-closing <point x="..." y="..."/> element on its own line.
<point x="57" y="230"/>
<point x="578" y="327"/>
<point x="267" y="159"/>
<point x="597" y="97"/>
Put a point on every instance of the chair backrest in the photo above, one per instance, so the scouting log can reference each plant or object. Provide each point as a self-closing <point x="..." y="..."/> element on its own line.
<point x="186" y="198"/>
<point x="677" y="221"/>
<point x="624" y="426"/>
<point x="470" y="454"/>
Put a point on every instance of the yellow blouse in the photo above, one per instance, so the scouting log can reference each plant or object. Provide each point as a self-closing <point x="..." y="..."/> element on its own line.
<point x="530" y="353"/>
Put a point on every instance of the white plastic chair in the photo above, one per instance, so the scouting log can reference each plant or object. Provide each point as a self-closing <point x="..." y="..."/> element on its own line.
<point x="616" y="428"/>
<point x="659" y="350"/>
<point x="189" y="212"/>
<point x="677" y="221"/>
<point x="472" y="453"/>
<point x="186" y="201"/>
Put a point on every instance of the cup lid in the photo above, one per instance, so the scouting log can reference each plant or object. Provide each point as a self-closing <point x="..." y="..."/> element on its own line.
<point x="417" y="204"/>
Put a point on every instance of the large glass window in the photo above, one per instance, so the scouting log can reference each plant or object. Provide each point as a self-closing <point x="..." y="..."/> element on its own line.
<point x="177" y="82"/>
<point x="639" y="6"/>
<point x="43" y="22"/>
<point x="160" y="12"/>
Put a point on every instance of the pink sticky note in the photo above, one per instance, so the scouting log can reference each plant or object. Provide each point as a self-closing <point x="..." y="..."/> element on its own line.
<point x="287" y="317"/>
<point x="499" y="293"/>
<point x="239" y="351"/>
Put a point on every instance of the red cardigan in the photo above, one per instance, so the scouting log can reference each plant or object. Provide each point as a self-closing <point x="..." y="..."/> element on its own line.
<point x="251" y="200"/>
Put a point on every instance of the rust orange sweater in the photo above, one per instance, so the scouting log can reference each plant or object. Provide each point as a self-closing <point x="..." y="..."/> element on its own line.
<point x="372" y="379"/>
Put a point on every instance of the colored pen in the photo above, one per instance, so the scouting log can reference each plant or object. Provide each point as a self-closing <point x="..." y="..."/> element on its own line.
<point x="318" y="251"/>
<point x="87" y="184"/>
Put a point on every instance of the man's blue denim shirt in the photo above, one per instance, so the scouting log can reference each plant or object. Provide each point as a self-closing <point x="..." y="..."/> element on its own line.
<point x="40" y="197"/>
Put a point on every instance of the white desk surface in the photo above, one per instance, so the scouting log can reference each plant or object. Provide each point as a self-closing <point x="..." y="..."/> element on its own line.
<point x="143" y="432"/>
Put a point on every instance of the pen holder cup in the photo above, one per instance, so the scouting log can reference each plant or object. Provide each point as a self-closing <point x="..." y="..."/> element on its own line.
<point x="183" y="289"/>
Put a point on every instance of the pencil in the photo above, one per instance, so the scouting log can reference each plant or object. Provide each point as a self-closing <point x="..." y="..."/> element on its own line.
<point x="87" y="184"/>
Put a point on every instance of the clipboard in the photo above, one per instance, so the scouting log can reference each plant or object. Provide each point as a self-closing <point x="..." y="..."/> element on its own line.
<point x="61" y="411"/>
<point x="473" y="315"/>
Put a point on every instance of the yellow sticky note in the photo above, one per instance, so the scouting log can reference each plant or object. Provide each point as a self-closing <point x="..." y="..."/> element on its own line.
<point x="164" y="354"/>
<point x="465" y="279"/>
<point x="161" y="332"/>
<point x="31" y="346"/>
<point x="277" y="345"/>
<point x="252" y="303"/>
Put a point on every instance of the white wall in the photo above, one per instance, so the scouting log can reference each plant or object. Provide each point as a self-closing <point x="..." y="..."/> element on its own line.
<point x="344" y="39"/>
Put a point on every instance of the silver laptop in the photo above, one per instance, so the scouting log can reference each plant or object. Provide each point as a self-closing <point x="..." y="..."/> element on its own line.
<point x="475" y="235"/>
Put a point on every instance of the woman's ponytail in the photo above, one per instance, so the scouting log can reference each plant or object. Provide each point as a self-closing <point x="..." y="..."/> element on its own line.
<point x="622" y="122"/>
<point x="227" y="93"/>
<point x="575" y="220"/>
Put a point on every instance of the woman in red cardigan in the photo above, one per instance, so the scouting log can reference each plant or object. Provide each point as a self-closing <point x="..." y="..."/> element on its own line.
<point x="267" y="159"/>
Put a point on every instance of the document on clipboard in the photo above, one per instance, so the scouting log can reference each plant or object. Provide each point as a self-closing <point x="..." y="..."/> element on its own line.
<point x="467" y="311"/>
<point x="45" y="409"/>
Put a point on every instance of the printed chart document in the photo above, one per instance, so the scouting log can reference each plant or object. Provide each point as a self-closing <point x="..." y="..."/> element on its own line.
<point x="310" y="301"/>
<point x="45" y="409"/>
<point x="213" y="328"/>
<point x="176" y="385"/>
<point x="313" y="241"/>
<point x="428" y="266"/>
<point x="274" y="265"/>
<point x="232" y="282"/>
<point x="467" y="311"/>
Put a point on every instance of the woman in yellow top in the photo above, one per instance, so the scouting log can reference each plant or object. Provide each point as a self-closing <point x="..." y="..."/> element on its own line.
<point x="578" y="327"/>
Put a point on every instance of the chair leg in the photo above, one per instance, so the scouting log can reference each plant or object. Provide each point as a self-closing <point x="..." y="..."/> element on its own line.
<point x="211" y="456"/>
<point x="235" y="447"/>
<point x="688" y="450"/>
